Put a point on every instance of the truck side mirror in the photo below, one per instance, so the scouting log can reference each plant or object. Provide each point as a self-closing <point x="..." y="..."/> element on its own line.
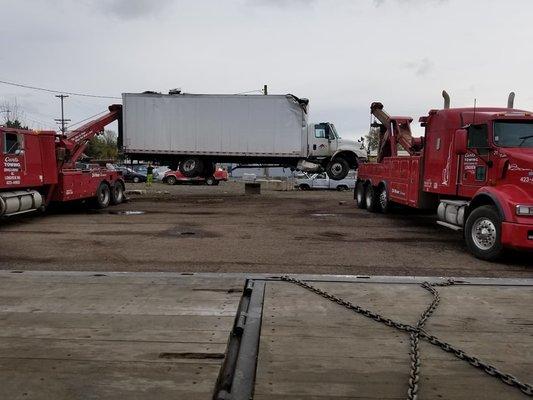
<point x="460" y="143"/>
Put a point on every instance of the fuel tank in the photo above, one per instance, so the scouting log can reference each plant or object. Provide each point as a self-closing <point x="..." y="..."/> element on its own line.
<point x="18" y="202"/>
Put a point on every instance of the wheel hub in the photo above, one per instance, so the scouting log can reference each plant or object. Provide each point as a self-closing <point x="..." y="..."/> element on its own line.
<point x="336" y="168"/>
<point x="189" y="165"/>
<point x="383" y="199"/>
<point x="484" y="233"/>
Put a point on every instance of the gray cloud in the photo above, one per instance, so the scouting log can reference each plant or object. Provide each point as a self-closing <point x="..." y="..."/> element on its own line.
<point x="379" y="3"/>
<point x="421" y="67"/>
<point x="280" y="3"/>
<point x="134" y="9"/>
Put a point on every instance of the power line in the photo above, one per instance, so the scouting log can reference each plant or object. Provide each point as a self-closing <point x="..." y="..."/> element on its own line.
<point x="88" y="118"/>
<point x="57" y="91"/>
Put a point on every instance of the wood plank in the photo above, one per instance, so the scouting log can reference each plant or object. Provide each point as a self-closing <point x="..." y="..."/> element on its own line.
<point x="130" y="336"/>
<point x="71" y="379"/>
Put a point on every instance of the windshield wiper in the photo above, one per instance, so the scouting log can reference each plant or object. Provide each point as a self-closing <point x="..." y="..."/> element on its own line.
<point x="523" y="139"/>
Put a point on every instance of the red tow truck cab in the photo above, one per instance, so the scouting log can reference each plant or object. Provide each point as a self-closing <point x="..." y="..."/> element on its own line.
<point x="40" y="167"/>
<point x="173" y="177"/>
<point x="474" y="166"/>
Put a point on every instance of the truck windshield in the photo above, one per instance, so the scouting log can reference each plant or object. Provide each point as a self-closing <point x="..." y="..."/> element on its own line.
<point x="513" y="134"/>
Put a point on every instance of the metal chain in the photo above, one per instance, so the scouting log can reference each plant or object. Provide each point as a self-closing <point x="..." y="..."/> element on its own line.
<point x="414" y="338"/>
<point x="417" y="332"/>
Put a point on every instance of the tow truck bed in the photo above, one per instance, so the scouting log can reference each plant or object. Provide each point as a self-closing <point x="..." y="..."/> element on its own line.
<point x="165" y="335"/>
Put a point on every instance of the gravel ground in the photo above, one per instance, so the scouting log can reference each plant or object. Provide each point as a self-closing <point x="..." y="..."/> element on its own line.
<point x="219" y="229"/>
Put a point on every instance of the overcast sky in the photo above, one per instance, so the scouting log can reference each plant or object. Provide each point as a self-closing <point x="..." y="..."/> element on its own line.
<point x="341" y="54"/>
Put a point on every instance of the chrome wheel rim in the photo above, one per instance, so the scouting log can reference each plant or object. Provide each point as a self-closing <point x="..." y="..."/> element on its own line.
<point x="104" y="196"/>
<point x="484" y="233"/>
<point x="118" y="194"/>
<point x="189" y="165"/>
<point x="359" y="196"/>
<point x="368" y="197"/>
<point x="336" y="169"/>
<point x="383" y="199"/>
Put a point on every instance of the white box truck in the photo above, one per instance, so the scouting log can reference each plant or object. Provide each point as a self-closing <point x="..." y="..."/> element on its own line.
<point x="192" y="132"/>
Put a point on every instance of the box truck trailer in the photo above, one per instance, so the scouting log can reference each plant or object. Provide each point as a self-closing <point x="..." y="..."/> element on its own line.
<point x="193" y="132"/>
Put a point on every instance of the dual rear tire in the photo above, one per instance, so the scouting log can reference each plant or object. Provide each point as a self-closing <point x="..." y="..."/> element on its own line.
<point x="374" y="199"/>
<point x="106" y="195"/>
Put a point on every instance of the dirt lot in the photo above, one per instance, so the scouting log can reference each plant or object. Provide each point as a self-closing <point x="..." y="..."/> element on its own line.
<point x="219" y="229"/>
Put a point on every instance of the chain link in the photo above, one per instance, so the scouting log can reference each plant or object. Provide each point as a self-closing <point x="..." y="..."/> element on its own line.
<point x="417" y="332"/>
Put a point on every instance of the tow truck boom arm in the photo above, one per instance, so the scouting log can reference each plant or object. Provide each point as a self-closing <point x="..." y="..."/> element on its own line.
<point x="394" y="131"/>
<point x="76" y="141"/>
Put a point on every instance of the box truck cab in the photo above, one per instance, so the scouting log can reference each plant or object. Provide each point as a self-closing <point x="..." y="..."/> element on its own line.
<point x="334" y="154"/>
<point x="193" y="132"/>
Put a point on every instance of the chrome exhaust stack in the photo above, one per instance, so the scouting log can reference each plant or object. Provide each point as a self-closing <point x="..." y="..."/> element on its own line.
<point x="510" y="100"/>
<point x="446" y="99"/>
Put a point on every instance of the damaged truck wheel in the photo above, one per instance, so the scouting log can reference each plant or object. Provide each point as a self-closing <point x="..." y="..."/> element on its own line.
<point x="337" y="168"/>
<point x="191" y="167"/>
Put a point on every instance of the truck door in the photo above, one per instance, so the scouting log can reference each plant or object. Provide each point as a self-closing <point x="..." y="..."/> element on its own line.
<point x="319" y="140"/>
<point x="12" y="159"/>
<point x="473" y="168"/>
<point x="321" y="181"/>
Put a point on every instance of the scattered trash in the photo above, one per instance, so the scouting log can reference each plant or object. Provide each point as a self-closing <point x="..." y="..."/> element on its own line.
<point x="135" y="191"/>
<point x="128" y="212"/>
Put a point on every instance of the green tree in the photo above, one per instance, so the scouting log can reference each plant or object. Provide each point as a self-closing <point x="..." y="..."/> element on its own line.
<point x="372" y="139"/>
<point x="12" y="115"/>
<point x="103" y="147"/>
<point x="16" y="124"/>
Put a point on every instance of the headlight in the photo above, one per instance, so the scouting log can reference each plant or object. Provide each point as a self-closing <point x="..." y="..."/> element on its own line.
<point x="524" y="210"/>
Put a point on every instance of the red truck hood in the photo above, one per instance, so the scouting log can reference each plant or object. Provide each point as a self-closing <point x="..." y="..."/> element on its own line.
<point x="519" y="159"/>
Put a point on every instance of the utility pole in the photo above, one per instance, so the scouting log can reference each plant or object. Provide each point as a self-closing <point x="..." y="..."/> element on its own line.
<point x="266" y="171"/>
<point x="62" y="120"/>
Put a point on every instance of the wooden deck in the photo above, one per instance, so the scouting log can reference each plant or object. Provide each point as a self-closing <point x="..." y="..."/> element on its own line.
<point x="165" y="336"/>
<point x="120" y="336"/>
<point x="312" y="348"/>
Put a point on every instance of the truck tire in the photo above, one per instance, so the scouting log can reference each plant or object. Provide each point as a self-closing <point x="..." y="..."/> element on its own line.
<point x="117" y="194"/>
<point x="383" y="200"/>
<point x="103" y="196"/>
<point x="136" y="179"/>
<point x="371" y="199"/>
<point x="191" y="167"/>
<point x="337" y="168"/>
<point x="304" y="186"/>
<point x="360" y="200"/>
<point x="342" y="188"/>
<point x="483" y="230"/>
<point x="210" y="181"/>
<point x="171" y="180"/>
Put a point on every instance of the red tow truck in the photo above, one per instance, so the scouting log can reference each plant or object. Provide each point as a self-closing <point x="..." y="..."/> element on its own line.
<point x="40" y="167"/>
<point x="474" y="166"/>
